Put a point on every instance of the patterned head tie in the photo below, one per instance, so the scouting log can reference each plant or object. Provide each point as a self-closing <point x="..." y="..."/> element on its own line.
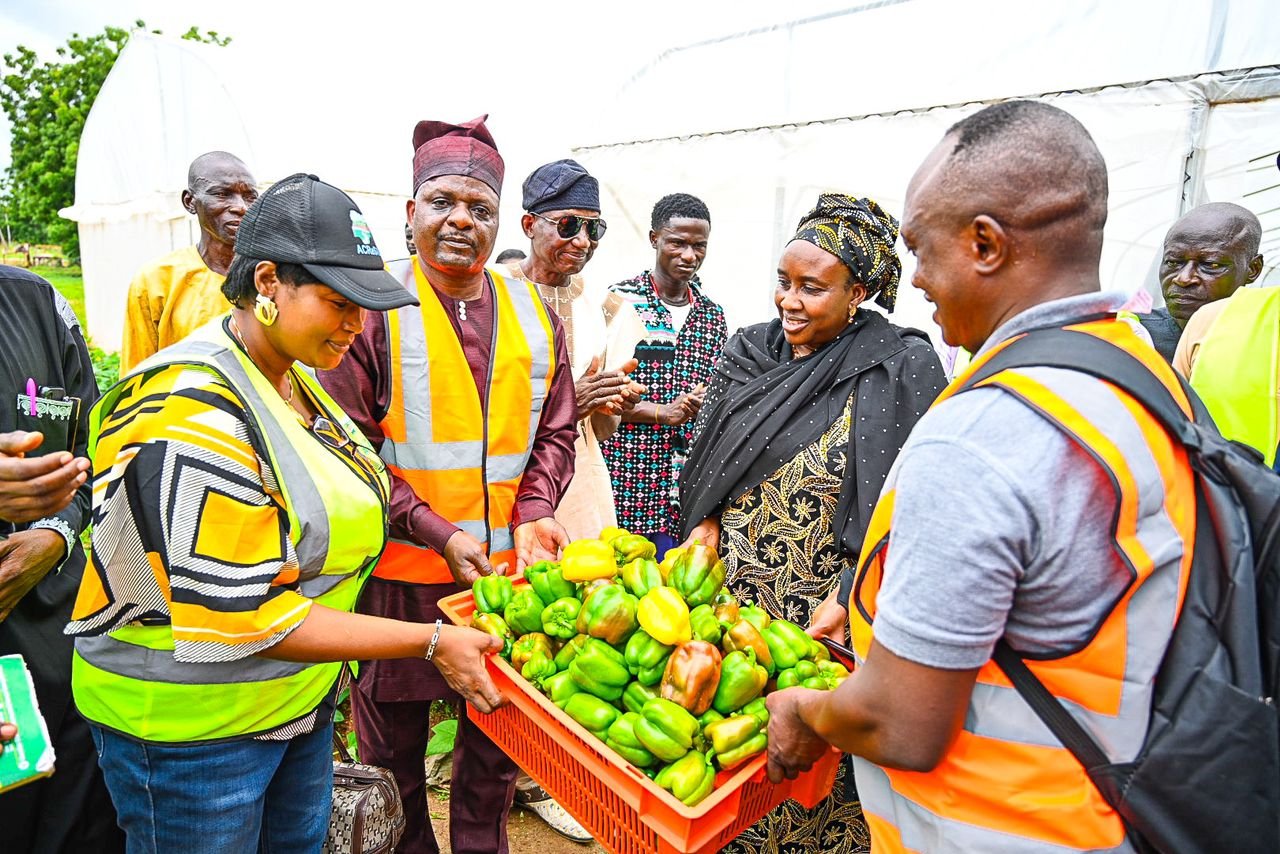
<point x="861" y="234"/>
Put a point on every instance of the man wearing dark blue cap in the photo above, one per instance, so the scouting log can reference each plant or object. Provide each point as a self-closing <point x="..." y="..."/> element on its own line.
<point x="563" y="223"/>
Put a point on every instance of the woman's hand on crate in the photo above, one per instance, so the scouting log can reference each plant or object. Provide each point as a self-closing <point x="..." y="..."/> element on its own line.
<point x="460" y="658"/>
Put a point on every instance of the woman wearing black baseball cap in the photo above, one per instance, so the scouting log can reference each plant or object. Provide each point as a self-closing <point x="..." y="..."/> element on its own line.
<point x="237" y="511"/>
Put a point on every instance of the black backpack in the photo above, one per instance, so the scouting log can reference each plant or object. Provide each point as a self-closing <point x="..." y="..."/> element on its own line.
<point x="1207" y="778"/>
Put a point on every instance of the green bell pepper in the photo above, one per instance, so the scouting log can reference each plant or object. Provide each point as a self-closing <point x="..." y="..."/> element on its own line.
<point x="666" y="730"/>
<point x="708" y="717"/>
<point x="690" y="778"/>
<point x="548" y="581"/>
<point x="787" y="642"/>
<point x="629" y="547"/>
<point x="525" y="646"/>
<point x="705" y="626"/>
<point x="832" y="673"/>
<point x="636" y="695"/>
<point x="646" y="658"/>
<point x="641" y="575"/>
<point x="494" y="625"/>
<point x="524" y="612"/>
<point x="698" y="575"/>
<point x="786" y="679"/>
<point x="622" y="738"/>
<point x="600" y="669"/>
<point x="609" y="613"/>
<point x="757" y="709"/>
<point x="560" y="688"/>
<point x="595" y="715"/>
<point x="817" y="683"/>
<point x="569" y="651"/>
<point x="539" y="667"/>
<point x="736" y="739"/>
<point x="560" y="618"/>
<point x="492" y="593"/>
<point x="755" y="615"/>
<point x="741" y="681"/>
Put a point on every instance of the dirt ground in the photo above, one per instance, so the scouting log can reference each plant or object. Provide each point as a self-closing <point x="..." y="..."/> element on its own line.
<point x="526" y="833"/>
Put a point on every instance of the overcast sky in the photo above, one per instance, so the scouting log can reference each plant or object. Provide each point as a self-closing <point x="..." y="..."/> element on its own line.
<point x="459" y="58"/>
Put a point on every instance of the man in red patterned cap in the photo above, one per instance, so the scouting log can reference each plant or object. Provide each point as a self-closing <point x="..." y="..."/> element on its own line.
<point x="469" y="399"/>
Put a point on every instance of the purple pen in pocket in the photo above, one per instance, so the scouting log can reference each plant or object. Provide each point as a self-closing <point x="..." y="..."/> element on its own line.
<point x="31" y="395"/>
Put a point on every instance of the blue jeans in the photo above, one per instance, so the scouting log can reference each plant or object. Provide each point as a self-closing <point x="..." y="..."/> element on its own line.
<point x="228" y="798"/>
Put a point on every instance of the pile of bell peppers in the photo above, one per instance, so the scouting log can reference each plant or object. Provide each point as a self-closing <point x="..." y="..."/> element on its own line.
<point x="658" y="661"/>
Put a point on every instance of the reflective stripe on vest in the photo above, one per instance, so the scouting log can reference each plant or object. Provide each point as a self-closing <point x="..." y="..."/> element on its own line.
<point x="128" y="679"/>
<point x="1006" y="784"/>
<point x="465" y="463"/>
<point x="1237" y="369"/>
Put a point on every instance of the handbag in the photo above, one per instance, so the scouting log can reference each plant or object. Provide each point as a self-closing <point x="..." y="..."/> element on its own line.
<point x="367" y="816"/>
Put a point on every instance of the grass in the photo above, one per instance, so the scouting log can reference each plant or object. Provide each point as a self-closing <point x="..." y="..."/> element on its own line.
<point x="70" y="283"/>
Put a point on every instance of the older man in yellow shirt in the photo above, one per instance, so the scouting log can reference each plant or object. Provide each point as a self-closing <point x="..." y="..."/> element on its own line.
<point x="181" y="291"/>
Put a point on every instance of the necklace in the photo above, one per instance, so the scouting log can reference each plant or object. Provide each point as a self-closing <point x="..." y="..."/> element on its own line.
<point x="235" y="333"/>
<point x="688" y="295"/>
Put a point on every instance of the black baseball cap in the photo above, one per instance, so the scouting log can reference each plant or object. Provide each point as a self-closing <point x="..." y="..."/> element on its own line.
<point x="302" y="220"/>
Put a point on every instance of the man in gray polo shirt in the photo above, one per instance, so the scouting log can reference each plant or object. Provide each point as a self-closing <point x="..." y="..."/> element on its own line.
<point x="1004" y="524"/>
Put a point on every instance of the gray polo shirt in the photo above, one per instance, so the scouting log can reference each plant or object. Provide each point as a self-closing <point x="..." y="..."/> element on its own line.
<point x="1001" y="524"/>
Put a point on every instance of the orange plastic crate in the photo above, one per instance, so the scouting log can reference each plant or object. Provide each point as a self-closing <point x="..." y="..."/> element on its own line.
<point x="623" y="809"/>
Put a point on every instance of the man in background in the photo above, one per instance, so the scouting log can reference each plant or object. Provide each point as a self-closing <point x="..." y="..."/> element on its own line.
<point x="1208" y="253"/>
<point x="684" y="333"/>
<point x="181" y="291"/>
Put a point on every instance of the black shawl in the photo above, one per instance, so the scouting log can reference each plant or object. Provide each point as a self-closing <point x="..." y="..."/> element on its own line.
<point x="763" y="408"/>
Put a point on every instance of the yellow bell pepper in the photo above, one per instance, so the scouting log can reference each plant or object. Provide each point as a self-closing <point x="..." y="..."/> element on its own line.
<point x="665" y="616"/>
<point x="609" y="534"/>
<point x="587" y="560"/>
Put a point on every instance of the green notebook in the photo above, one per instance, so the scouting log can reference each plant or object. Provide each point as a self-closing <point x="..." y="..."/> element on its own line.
<point x="29" y="756"/>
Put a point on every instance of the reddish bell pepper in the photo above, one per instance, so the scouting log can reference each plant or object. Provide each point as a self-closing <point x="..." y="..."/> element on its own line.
<point x="691" y="677"/>
<point x="744" y="635"/>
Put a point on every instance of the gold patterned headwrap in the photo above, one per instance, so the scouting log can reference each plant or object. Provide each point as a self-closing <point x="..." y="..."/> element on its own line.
<point x="861" y="234"/>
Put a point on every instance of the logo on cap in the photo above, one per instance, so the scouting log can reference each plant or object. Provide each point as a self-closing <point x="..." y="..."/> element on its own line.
<point x="360" y="228"/>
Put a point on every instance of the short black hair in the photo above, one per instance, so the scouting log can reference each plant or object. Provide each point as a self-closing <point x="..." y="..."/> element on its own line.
<point x="510" y="255"/>
<point x="239" y="288"/>
<point x="678" y="206"/>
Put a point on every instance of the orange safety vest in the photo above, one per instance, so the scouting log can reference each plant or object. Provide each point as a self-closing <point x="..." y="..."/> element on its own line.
<point x="1006" y="783"/>
<point x="464" y="460"/>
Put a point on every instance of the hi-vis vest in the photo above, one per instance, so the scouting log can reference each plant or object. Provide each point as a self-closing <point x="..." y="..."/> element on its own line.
<point x="127" y="680"/>
<point x="1007" y="784"/>
<point x="464" y="461"/>
<point x="1237" y="369"/>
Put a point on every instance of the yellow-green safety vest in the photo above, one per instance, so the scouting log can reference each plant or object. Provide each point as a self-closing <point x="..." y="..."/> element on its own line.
<point x="1237" y="369"/>
<point x="127" y="680"/>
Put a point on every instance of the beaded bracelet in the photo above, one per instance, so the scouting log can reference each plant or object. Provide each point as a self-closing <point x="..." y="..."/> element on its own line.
<point x="435" y="639"/>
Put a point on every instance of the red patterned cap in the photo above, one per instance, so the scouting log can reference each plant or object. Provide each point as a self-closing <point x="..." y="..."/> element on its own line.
<point x="440" y="148"/>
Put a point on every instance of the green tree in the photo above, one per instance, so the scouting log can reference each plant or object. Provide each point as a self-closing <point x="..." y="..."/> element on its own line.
<point x="47" y="103"/>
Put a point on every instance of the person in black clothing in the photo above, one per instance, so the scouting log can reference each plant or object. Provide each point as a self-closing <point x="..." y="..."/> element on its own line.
<point x="44" y="506"/>
<point x="1208" y="253"/>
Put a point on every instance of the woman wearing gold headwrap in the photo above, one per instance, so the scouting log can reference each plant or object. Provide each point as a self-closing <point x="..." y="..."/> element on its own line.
<point x="802" y="420"/>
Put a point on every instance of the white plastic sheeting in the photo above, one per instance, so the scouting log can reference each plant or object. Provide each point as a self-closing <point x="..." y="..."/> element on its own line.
<point x="166" y="101"/>
<point x="1169" y="146"/>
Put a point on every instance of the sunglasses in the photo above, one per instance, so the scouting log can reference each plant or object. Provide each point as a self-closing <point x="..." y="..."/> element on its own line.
<point x="569" y="225"/>
<point x="335" y="437"/>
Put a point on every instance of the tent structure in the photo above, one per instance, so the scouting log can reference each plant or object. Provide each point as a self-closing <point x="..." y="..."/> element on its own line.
<point x="1182" y="96"/>
<point x="165" y="101"/>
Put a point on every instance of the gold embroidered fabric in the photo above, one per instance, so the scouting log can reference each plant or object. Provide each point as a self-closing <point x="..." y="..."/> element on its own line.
<point x="777" y="539"/>
<point x="780" y="551"/>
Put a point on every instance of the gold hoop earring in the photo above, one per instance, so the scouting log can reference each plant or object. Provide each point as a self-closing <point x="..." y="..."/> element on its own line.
<point x="266" y="310"/>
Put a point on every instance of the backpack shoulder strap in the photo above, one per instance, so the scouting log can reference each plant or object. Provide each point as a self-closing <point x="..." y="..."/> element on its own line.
<point x="1080" y="351"/>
